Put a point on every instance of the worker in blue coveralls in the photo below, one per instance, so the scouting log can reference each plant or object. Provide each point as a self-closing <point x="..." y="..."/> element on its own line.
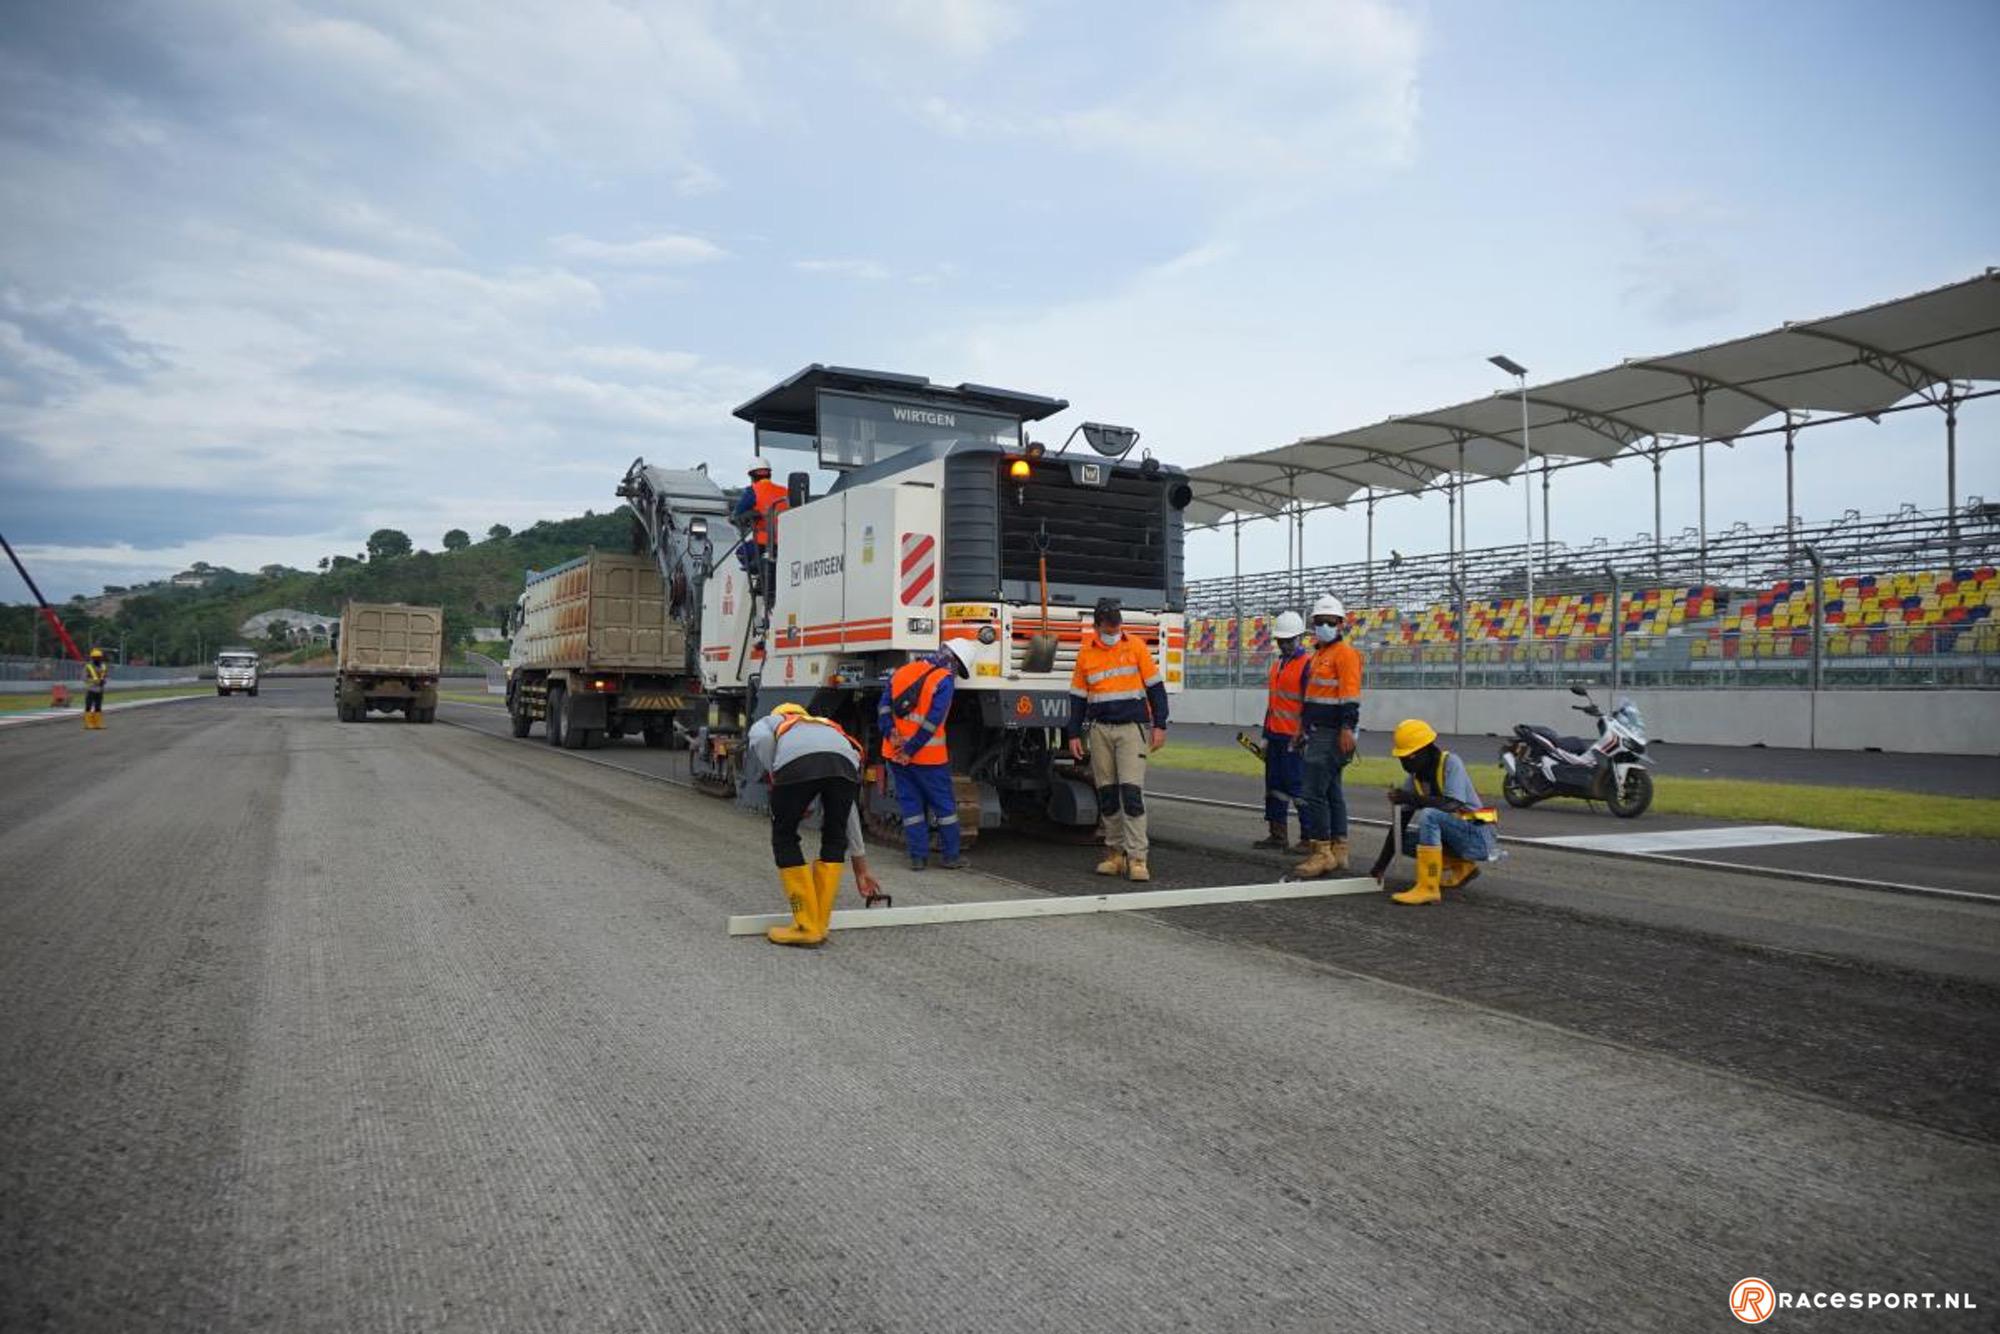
<point x="916" y="701"/>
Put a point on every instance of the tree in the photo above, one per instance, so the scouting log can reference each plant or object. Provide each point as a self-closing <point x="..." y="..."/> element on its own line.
<point x="387" y="543"/>
<point x="279" y="633"/>
<point x="457" y="540"/>
<point x="272" y="571"/>
<point x="324" y="562"/>
<point x="499" y="532"/>
<point x="342" y="562"/>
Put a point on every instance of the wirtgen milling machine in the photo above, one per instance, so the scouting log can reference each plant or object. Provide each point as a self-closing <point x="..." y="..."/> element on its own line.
<point x="943" y="522"/>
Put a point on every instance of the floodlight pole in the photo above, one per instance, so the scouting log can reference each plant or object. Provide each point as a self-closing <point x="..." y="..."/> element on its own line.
<point x="1659" y="557"/>
<point x="1818" y="615"/>
<point x="1617" y="629"/>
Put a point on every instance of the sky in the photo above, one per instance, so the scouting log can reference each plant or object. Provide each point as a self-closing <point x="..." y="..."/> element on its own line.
<point x="277" y="273"/>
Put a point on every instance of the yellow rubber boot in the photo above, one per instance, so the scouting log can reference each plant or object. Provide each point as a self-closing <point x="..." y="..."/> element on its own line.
<point x="1458" y="871"/>
<point x="1430" y="868"/>
<point x="800" y="892"/>
<point x="826" y="883"/>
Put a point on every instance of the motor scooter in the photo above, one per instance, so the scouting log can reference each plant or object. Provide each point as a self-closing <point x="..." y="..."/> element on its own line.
<point x="1538" y="764"/>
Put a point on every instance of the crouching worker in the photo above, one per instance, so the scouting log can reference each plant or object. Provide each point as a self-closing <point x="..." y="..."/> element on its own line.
<point x="809" y="759"/>
<point x="1447" y="828"/>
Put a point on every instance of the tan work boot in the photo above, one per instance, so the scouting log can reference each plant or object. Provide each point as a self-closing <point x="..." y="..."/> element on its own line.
<point x="1136" y="870"/>
<point x="1458" y="871"/>
<point x="1340" y="854"/>
<point x="1320" y="862"/>
<point x="1114" y="863"/>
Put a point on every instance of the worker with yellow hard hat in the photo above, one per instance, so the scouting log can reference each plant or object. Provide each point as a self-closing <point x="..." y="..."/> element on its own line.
<point x="95" y="673"/>
<point x="1446" y="827"/>
<point x="808" y="759"/>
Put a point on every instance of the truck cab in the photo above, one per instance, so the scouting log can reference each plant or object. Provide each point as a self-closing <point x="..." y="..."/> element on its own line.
<point x="236" y="670"/>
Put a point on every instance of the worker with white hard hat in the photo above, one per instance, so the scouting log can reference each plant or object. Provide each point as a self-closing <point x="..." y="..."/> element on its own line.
<point x="1283" y="720"/>
<point x="1331" y="716"/>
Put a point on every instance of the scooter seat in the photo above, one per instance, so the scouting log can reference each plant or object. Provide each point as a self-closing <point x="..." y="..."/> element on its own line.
<point x="1575" y="745"/>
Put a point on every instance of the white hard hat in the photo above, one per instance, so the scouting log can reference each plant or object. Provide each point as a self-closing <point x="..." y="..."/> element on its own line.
<point x="966" y="651"/>
<point x="1329" y="605"/>
<point x="1290" y="625"/>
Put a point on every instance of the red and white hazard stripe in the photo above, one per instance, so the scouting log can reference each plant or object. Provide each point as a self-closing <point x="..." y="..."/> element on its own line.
<point x="919" y="569"/>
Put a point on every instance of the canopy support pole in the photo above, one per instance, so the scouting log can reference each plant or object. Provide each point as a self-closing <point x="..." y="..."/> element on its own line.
<point x="1951" y="475"/>
<point x="1659" y="556"/>
<point x="1791" y="506"/>
<point x="1299" y="542"/>
<point x="1701" y="480"/>
<point x="1236" y="631"/>
<point x="1369" y="595"/>
<point x="1546" y="538"/>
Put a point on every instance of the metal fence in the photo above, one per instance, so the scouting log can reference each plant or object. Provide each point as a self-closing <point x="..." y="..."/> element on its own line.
<point x="70" y="672"/>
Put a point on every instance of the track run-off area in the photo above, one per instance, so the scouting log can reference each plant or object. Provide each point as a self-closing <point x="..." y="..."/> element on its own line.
<point x="323" y="1026"/>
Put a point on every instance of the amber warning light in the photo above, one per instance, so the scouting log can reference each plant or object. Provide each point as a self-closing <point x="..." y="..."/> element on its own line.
<point x="1019" y="470"/>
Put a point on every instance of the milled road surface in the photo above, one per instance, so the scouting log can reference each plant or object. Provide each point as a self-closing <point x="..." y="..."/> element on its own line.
<point x="318" y="1026"/>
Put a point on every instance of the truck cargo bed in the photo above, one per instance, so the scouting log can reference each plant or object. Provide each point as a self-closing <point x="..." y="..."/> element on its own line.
<point x="600" y="612"/>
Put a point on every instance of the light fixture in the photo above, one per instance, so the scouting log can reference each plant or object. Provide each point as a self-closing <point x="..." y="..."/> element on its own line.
<point x="1509" y="365"/>
<point x="1020" y="470"/>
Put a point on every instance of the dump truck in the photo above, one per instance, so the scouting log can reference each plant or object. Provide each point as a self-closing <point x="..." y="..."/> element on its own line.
<point x="944" y="521"/>
<point x="236" y="669"/>
<point x="594" y="656"/>
<point x="387" y="660"/>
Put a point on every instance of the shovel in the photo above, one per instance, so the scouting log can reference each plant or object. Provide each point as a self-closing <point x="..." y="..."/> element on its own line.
<point x="1041" y="654"/>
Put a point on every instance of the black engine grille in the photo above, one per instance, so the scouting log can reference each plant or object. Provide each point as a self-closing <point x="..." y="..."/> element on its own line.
<point x="1114" y="535"/>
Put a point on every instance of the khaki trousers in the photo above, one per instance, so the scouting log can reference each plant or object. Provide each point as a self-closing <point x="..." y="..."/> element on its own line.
<point x="1118" y="770"/>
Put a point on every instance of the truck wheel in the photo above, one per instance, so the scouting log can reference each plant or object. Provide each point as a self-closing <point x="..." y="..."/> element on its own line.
<point x="518" y="722"/>
<point x="656" y="738"/>
<point x="573" y="737"/>
<point x="552" y="723"/>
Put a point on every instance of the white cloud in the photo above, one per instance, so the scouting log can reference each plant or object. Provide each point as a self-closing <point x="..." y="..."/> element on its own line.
<point x="965" y="29"/>
<point x="654" y="252"/>
<point x="866" y="270"/>
<point x="1681" y="272"/>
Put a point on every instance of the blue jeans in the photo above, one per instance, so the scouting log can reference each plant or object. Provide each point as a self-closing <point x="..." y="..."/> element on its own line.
<point x="923" y="791"/>
<point x="1284" y="773"/>
<point x="1322" y="800"/>
<point x="1431" y="827"/>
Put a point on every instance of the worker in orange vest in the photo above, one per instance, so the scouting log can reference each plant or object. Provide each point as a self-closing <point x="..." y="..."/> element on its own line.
<point x="915" y="707"/>
<point x="1331" y="717"/>
<point x="1283" y="720"/>
<point x="1117" y="689"/>
<point x="758" y="508"/>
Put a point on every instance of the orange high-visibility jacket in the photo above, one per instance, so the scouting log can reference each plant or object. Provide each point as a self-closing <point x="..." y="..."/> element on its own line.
<point x="928" y="679"/>
<point x="1119" y="684"/>
<point x="771" y="501"/>
<point x="1333" y="686"/>
<point x="1284" y="713"/>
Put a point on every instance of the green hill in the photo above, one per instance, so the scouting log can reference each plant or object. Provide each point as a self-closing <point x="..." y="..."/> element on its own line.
<point x="165" y="624"/>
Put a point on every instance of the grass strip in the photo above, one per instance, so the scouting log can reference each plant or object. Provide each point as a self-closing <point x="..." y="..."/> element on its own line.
<point x="1860" y="810"/>
<point x="39" y="702"/>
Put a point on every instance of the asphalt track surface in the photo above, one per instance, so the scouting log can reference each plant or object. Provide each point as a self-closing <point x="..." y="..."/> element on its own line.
<point x="321" y="1026"/>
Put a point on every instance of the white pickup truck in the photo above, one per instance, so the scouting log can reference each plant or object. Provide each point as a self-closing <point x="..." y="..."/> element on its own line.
<point x="235" y="669"/>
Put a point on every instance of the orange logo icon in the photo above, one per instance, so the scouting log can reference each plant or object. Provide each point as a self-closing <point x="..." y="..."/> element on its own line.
<point x="1752" y="1301"/>
<point x="1024" y="706"/>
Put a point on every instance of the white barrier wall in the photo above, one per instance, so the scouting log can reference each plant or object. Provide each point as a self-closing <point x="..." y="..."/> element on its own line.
<point x="1932" y="722"/>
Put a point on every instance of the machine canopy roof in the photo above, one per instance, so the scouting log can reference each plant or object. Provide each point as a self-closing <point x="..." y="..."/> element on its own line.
<point x="791" y="404"/>
<point x="1861" y="362"/>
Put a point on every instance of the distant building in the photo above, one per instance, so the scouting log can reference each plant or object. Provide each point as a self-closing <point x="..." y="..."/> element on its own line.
<point x="188" y="579"/>
<point x="303" y="627"/>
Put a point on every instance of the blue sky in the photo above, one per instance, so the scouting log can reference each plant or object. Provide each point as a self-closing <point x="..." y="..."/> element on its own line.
<point x="274" y="274"/>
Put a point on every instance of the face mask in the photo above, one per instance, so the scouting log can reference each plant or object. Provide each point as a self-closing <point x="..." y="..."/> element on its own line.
<point x="1109" y="637"/>
<point x="1325" y="634"/>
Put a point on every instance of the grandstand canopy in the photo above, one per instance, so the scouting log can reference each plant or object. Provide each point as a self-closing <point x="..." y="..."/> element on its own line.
<point x="1864" y="361"/>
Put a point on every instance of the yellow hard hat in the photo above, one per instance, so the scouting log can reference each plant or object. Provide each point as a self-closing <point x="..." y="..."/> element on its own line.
<point x="1412" y="735"/>
<point x="788" y="710"/>
<point x="97" y="653"/>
